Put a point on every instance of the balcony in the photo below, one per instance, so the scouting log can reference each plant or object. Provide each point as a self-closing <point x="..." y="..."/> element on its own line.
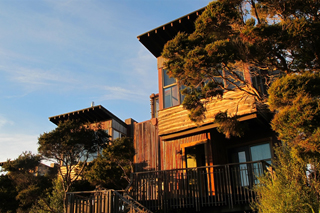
<point x="221" y="186"/>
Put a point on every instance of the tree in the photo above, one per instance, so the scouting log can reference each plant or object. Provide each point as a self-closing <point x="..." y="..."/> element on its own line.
<point x="296" y="98"/>
<point x="112" y="169"/>
<point x="72" y="144"/>
<point x="291" y="186"/>
<point x="23" y="182"/>
<point x="235" y="38"/>
<point x="8" y="193"/>
<point x="53" y="200"/>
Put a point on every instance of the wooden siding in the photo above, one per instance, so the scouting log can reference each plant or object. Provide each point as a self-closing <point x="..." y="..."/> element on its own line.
<point x="119" y="127"/>
<point x="171" y="153"/>
<point x="106" y="125"/>
<point x="146" y="144"/>
<point x="175" y="119"/>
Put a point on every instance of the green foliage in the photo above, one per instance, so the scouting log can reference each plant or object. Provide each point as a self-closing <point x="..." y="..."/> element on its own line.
<point x="280" y="36"/>
<point x="296" y="101"/>
<point x="71" y="144"/>
<point x="23" y="181"/>
<point x="112" y="169"/>
<point x="230" y="126"/>
<point x="291" y="186"/>
<point x="8" y="193"/>
<point x="294" y="184"/>
<point x="52" y="201"/>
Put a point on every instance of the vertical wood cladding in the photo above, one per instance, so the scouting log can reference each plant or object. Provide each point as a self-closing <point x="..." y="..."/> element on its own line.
<point x="146" y="144"/>
<point x="171" y="151"/>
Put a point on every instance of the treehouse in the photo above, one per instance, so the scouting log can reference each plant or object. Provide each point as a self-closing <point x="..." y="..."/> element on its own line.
<point x="180" y="164"/>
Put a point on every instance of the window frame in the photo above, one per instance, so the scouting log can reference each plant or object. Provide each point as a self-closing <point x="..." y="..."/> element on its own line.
<point x="169" y="86"/>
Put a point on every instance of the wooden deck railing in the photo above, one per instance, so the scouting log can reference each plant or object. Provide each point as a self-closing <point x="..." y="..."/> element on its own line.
<point x="102" y="201"/>
<point x="220" y="185"/>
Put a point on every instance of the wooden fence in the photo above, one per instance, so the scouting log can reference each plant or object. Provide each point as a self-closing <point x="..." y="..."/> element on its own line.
<point x="103" y="201"/>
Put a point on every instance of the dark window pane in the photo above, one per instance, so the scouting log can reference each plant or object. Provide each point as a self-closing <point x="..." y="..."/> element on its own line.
<point x="167" y="98"/>
<point x="260" y="152"/>
<point x="175" y="95"/>
<point x="233" y="78"/>
<point x="171" y="95"/>
<point x="166" y="80"/>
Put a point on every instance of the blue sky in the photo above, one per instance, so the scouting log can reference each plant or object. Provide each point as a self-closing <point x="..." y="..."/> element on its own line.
<point x="57" y="56"/>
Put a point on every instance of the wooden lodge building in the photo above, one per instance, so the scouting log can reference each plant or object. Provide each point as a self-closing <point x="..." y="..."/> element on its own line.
<point x="181" y="166"/>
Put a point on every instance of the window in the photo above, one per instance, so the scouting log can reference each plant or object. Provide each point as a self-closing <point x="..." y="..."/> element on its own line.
<point x="170" y="91"/>
<point x="116" y="134"/>
<point x="228" y="79"/>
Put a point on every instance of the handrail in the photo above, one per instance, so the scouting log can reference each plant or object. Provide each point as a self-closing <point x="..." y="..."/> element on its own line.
<point x="205" y="167"/>
<point x="138" y="207"/>
<point x="225" y="185"/>
<point x="133" y="202"/>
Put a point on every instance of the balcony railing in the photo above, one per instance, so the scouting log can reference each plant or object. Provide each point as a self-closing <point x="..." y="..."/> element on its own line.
<point x="220" y="185"/>
<point x="102" y="201"/>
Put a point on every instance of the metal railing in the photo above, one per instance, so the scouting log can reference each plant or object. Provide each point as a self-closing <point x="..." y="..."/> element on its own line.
<point x="219" y="185"/>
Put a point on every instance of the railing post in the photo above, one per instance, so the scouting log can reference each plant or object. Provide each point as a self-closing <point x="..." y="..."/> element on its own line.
<point x="229" y="186"/>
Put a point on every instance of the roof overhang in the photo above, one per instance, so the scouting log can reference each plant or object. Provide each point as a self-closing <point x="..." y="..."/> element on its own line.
<point x="155" y="39"/>
<point x="92" y="115"/>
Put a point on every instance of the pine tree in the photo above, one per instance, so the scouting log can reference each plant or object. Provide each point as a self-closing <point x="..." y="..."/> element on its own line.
<point x="237" y="38"/>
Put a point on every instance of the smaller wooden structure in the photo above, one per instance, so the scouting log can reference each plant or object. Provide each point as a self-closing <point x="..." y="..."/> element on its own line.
<point x="96" y="115"/>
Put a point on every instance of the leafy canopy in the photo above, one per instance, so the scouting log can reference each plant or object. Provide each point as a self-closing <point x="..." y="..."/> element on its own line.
<point x="72" y="143"/>
<point x="296" y="99"/>
<point x="22" y="187"/>
<point x="236" y="40"/>
<point x="112" y="169"/>
<point x="291" y="186"/>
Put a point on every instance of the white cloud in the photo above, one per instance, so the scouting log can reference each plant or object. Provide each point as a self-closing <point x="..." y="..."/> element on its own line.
<point x="4" y="121"/>
<point x="32" y="79"/>
<point x="12" y="145"/>
<point x="118" y="93"/>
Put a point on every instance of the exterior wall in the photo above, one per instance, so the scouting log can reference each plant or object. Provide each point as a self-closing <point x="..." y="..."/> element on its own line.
<point x="117" y="126"/>
<point x="105" y="125"/>
<point x="176" y="118"/>
<point x="146" y="144"/>
<point x="172" y="151"/>
<point x="110" y="125"/>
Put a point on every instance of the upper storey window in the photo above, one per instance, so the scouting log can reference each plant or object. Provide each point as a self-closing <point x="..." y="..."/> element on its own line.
<point x="170" y="91"/>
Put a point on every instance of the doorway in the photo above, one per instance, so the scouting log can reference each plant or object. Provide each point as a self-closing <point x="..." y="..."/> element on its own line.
<point x="195" y="156"/>
<point x="249" y="171"/>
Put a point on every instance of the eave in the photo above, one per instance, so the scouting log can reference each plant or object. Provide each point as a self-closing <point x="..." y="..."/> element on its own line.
<point x="92" y="115"/>
<point x="154" y="40"/>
